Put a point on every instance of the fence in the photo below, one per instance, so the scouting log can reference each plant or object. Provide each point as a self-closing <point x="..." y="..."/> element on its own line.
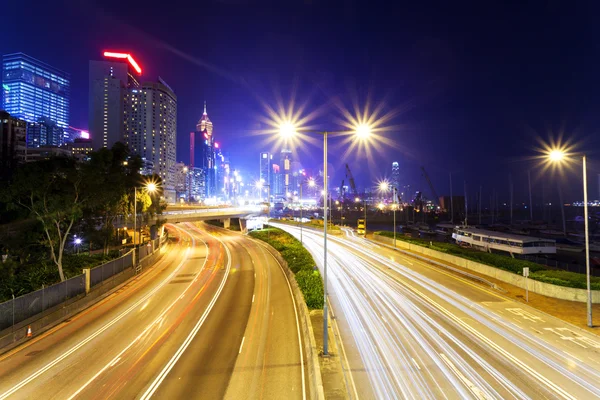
<point x="24" y="307"/>
<point x="103" y="272"/>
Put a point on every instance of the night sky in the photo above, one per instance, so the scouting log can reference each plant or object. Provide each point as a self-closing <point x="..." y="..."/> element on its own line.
<point x="473" y="88"/>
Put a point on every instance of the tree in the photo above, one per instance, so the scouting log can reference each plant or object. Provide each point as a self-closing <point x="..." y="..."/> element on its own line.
<point x="53" y="191"/>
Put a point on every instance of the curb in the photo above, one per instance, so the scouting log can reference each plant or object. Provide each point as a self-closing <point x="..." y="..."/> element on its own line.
<point x="310" y="346"/>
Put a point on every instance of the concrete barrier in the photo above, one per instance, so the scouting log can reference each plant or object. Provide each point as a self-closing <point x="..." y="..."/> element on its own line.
<point x="310" y="346"/>
<point x="543" y="288"/>
<point x="14" y="336"/>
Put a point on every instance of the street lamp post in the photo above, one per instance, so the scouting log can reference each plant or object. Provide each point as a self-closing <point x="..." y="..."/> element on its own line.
<point x="557" y="156"/>
<point x="150" y="187"/>
<point x="362" y="131"/>
<point x="260" y="185"/>
<point x="394" y="205"/>
<point x="301" y="223"/>
<point x="384" y="187"/>
<point x="587" y="245"/>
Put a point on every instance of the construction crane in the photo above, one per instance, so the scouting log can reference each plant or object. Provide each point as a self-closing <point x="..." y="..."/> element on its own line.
<point x="435" y="196"/>
<point x="351" y="179"/>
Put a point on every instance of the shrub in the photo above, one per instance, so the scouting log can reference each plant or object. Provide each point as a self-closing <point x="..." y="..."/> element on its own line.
<point x="300" y="262"/>
<point x="311" y="285"/>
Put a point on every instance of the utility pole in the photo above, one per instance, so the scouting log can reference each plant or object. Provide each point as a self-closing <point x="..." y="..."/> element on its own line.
<point x="451" y="201"/>
<point x="562" y="209"/>
<point x="480" y="188"/>
<point x="511" y="197"/>
<point x="530" y="201"/>
<point x="466" y="207"/>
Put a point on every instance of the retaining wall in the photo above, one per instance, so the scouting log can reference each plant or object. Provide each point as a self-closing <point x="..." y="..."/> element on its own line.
<point x="543" y="288"/>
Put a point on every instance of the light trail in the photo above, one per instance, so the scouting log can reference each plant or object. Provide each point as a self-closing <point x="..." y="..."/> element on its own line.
<point x="419" y="339"/>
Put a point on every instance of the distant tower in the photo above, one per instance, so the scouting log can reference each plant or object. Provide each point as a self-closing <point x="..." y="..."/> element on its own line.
<point x="285" y="164"/>
<point x="395" y="174"/>
<point x="265" y="168"/>
<point x="205" y="125"/>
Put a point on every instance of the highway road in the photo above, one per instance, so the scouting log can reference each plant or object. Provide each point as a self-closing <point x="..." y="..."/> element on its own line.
<point x="213" y="318"/>
<point x="411" y="330"/>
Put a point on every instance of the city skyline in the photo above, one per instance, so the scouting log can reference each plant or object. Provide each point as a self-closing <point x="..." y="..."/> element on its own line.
<point x="448" y="113"/>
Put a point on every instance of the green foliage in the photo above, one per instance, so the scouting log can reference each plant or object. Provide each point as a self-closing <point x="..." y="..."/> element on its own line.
<point x="300" y="262"/>
<point x="58" y="197"/>
<point x="566" y="278"/>
<point x="515" y="265"/>
<point x="311" y="285"/>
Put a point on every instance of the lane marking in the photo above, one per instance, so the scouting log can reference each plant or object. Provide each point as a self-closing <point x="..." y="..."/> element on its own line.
<point x="242" y="345"/>
<point x="297" y="320"/>
<point x="94" y="335"/>
<point x="165" y="371"/>
<point x="480" y="394"/>
<point x="155" y="322"/>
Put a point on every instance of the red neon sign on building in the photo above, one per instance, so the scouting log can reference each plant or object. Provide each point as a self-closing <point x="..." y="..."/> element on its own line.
<point x="126" y="56"/>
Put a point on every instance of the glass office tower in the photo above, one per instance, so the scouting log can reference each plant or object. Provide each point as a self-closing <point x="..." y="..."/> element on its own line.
<point x="33" y="90"/>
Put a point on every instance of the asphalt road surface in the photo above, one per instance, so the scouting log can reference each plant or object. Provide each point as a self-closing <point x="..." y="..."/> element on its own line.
<point x="212" y="319"/>
<point x="411" y="330"/>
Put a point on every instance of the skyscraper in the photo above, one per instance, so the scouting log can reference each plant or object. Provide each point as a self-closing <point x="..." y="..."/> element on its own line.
<point x="110" y="83"/>
<point x="13" y="145"/>
<point x="265" y="168"/>
<point x="395" y="174"/>
<point x="34" y="90"/>
<point x="152" y="127"/>
<point x="44" y="132"/>
<point x="285" y="163"/>
<point x="203" y="153"/>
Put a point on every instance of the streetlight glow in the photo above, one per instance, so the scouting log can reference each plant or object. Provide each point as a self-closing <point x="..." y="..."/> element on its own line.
<point x="287" y="130"/>
<point x="151" y="187"/>
<point x="363" y="131"/>
<point x="556" y="155"/>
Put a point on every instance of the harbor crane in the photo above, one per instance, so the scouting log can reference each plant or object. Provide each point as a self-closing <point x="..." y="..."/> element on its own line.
<point x="433" y="192"/>
<point x="351" y="180"/>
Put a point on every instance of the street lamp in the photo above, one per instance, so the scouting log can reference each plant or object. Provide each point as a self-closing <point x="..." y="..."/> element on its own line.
<point x="362" y="131"/>
<point x="260" y="184"/>
<point x="77" y="242"/>
<point x="556" y="156"/>
<point x="150" y="188"/>
<point x="384" y="187"/>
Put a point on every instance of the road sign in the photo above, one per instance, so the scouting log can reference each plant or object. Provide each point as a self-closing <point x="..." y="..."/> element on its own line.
<point x="526" y="274"/>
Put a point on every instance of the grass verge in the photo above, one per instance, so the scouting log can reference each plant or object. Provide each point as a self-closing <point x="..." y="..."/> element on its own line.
<point x="300" y="262"/>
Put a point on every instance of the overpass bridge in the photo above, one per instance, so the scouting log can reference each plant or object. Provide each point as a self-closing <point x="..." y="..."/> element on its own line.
<point x="174" y="216"/>
<point x="188" y="214"/>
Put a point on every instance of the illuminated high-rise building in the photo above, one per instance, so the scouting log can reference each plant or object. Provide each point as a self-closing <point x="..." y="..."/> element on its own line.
<point x="152" y="128"/>
<point x="110" y="82"/>
<point x="13" y="144"/>
<point x="36" y="92"/>
<point x="203" y="154"/>
<point x="265" y="168"/>
<point x="395" y="174"/>
<point x="285" y="164"/>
